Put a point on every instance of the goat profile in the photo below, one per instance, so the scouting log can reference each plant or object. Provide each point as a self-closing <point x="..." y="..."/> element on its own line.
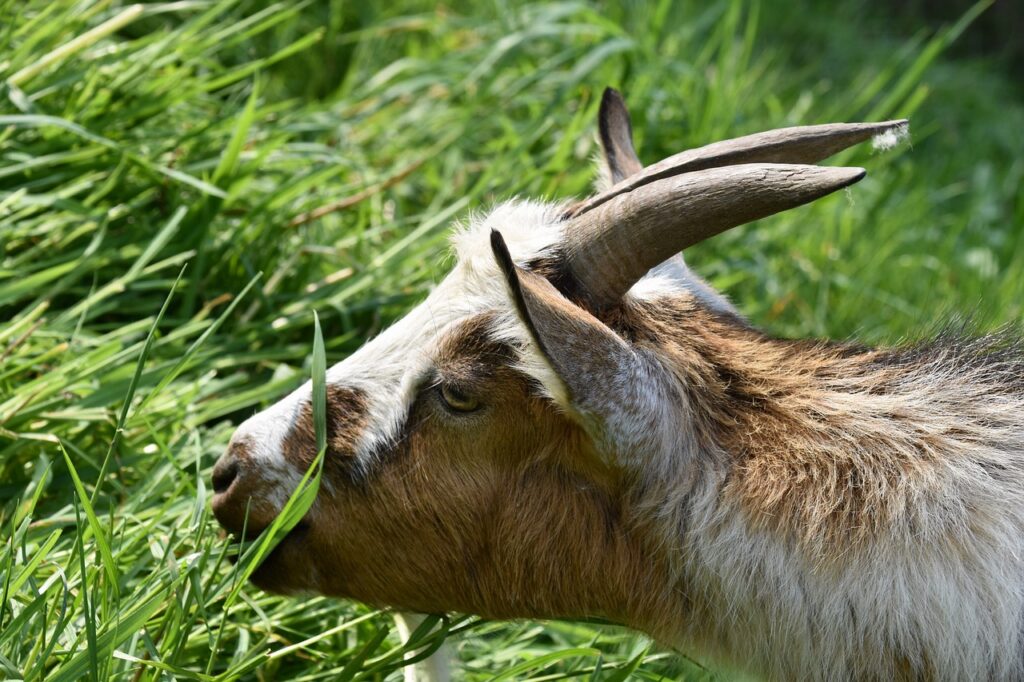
<point x="572" y="424"/>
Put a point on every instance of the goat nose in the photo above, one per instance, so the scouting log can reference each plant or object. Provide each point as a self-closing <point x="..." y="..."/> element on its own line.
<point x="225" y="472"/>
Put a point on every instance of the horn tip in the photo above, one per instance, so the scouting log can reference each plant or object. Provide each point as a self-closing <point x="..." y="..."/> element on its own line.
<point x="880" y="125"/>
<point x="847" y="175"/>
<point x="897" y="126"/>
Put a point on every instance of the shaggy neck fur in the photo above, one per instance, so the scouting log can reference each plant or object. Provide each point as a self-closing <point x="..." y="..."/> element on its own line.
<point x="859" y="512"/>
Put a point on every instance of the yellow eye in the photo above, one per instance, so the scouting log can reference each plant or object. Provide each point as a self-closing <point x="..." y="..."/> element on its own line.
<point x="457" y="400"/>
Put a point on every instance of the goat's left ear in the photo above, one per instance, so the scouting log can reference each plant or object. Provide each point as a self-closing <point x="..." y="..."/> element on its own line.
<point x="592" y="372"/>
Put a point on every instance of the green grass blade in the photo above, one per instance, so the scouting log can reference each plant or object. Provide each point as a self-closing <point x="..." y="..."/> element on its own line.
<point x="95" y="527"/>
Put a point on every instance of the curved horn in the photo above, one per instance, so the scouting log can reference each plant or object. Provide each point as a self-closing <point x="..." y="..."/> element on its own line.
<point x="612" y="239"/>
<point x="615" y="243"/>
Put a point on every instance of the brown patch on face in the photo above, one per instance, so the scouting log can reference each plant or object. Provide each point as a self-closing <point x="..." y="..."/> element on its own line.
<point x="346" y="421"/>
<point x="501" y="511"/>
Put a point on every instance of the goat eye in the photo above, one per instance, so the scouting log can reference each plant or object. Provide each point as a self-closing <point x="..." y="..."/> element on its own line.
<point x="457" y="400"/>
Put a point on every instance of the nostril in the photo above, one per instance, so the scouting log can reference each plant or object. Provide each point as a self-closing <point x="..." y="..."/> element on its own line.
<point x="224" y="474"/>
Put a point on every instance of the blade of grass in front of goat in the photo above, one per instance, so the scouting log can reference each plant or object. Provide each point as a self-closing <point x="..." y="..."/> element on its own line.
<point x="294" y="509"/>
<point x="319" y="386"/>
<point x="305" y="493"/>
<point x="300" y="500"/>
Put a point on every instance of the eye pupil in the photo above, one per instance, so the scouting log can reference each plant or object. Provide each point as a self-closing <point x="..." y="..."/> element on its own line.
<point x="457" y="400"/>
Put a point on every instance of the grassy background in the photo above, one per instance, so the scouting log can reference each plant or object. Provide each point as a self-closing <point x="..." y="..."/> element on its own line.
<point x="190" y="144"/>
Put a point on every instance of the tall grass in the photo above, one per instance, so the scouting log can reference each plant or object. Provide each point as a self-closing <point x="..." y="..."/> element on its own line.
<point x="184" y="185"/>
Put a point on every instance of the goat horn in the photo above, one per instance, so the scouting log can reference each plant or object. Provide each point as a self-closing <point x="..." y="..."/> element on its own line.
<point x="615" y="237"/>
<point x="621" y="239"/>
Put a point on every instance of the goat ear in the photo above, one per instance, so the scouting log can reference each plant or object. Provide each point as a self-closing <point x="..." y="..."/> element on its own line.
<point x="588" y="369"/>
<point x="620" y="157"/>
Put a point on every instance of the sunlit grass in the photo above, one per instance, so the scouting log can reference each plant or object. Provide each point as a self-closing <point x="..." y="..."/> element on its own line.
<point x="184" y="185"/>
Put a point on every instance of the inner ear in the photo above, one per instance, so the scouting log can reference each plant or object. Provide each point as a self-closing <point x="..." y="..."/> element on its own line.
<point x="569" y="338"/>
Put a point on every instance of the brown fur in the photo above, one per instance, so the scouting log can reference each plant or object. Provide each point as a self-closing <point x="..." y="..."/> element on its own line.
<point x="803" y="461"/>
<point x="346" y="419"/>
<point x="541" y="527"/>
<point x="797" y="508"/>
<point x="823" y="451"/>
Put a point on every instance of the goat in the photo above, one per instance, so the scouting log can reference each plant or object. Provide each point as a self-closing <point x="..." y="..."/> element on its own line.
<point x="573" y="424"/>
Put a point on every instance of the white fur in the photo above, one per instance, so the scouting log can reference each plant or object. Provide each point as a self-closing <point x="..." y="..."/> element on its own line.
<point x="948" y="586"/>
<point x="390" y="368"/>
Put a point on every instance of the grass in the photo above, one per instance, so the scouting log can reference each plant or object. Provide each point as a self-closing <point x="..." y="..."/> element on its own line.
<point x="185" y="185"/>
